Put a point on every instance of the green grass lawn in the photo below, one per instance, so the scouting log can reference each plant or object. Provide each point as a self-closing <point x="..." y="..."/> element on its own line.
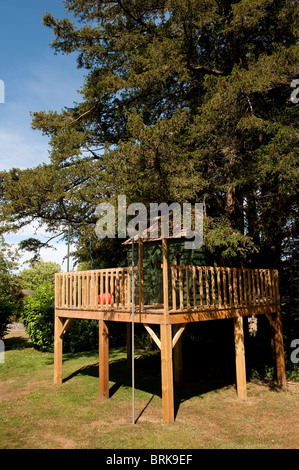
<point x="36" y="414"/>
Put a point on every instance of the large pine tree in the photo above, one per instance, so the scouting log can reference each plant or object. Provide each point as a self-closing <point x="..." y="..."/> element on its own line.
<point x="184" y="100"/>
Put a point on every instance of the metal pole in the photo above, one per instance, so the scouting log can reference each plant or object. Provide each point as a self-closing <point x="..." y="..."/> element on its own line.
<point x="133" y="346"/>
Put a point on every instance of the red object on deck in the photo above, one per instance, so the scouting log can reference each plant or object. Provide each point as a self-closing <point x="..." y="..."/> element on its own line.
<point x="104" y="298"/>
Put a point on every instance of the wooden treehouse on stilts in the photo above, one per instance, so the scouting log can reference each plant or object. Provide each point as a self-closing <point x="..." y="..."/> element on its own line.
<point x="190" y="294"/>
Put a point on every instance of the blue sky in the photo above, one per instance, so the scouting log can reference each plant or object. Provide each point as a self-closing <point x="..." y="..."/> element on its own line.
<point x="35" y="79"/>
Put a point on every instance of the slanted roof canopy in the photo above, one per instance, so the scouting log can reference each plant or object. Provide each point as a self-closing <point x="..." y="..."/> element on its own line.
<point x="155" y="233"/>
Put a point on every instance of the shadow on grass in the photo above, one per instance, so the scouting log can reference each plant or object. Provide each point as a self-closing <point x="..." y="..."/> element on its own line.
<point x="148" y="379"/>
<point x="17" y="342"/>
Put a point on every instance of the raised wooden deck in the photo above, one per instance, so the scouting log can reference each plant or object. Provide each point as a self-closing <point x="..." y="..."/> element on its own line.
<point x="190" y="293"/>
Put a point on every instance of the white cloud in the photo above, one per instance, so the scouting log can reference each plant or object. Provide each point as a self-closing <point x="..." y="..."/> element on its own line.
<point x="20" y="152"/>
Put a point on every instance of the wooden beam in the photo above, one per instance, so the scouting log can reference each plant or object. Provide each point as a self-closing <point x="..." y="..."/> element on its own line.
<point x="68" y="322"/>
<point x="58" y="327"/>
<point x="103" y="360"/>
<point x="152" y="334"/>
<point x="240" y="358"/>
<point x="167" y="373"/>
<point x="178" y="330"/>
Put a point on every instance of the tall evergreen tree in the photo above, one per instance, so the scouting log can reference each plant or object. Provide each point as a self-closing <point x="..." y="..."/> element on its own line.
<point x="184" y="100"/>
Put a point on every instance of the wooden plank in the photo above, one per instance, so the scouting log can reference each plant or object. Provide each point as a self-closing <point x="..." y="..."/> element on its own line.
<point x="240" y="358"/>
<point x="103" y="360"/>
<point x="223" y="272"/>
<point x="167" y="373"/>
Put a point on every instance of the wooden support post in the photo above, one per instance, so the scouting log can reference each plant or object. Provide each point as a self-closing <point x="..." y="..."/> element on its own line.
<point x="140" y="269"/>
<point x="58" y="328"/>
<point x="279" y="352"/>
<point x="166" y="347"/>
<point x="178" y="356"/>
<point x="167" y="373"/>
<point x="129" y="345"/>
<point x="240" y="358"/>
<point x="103" y="360"/>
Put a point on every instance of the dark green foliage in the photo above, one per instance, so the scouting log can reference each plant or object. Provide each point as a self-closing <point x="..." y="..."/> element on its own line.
<point x="39" y="273"/>
<point x="38" y="316"/>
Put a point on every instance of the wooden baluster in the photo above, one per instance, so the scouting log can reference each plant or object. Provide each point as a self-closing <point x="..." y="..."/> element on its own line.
<point x="181" y="288"/>
<point x="258" y="286"/>
<point x="56" y="290"/>
<point x="249" y="287"/>
<point x="219" y="287"/>
<point x="262" y="286"/>
<point x="194" y="285"/>
<point x="245" y="287"/>
<point x="80" y="289"/>
<point x="187" y="286"/>
<point x="213" y="287"/>
<point x="117" y="288"/>
<point x="173" y="279"/>
<point x="207" y="287"/>
<point x="240" y="287"/>
<point x="224" y="286"/>
<point x="253" y="286"/>
<point x="200" y="286"/>
<point x="101" y="288"/>
<point x="230" y="286"/>
<point x="235" y="287"/>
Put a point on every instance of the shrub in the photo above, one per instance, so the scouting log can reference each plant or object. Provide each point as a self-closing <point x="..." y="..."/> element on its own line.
<point x="38" y="316"/>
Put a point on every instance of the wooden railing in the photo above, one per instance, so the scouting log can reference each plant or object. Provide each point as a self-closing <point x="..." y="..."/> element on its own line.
<point x="203" y="287"/>
<point x="93" y="290"/>
<point x="190" y="287"/>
